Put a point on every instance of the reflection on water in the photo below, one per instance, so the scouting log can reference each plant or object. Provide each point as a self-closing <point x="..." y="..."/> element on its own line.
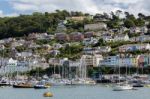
<point x="75" y="92"/>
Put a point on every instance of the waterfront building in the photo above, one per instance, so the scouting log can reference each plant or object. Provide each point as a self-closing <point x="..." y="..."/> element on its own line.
<point x="75" y="63"/>
<point x="11" y="66"/>
<point x="91" y="60"/>
<point x="126" y="61"/>
<point x="38" y="62"/>
<point x="143" y="60"/>
<point x="110" y="61"/>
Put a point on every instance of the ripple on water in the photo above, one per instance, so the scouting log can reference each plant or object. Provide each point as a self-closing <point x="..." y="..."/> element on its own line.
<point x="75" y="92"/>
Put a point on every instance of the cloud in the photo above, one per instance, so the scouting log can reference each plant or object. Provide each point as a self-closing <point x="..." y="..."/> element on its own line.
<point x="123" y="1"/>
<point x="51" y="5"/>
<point x="24" y="7"/>
<point x="91" y="6"/>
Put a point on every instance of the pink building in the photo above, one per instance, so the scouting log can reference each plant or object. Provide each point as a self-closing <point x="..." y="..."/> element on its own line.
<point x="62" y="37"/>
<point x="76" y="36"/>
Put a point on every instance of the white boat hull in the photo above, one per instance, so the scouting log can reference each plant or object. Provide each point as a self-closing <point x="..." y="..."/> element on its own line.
<point x="122" y="87"/>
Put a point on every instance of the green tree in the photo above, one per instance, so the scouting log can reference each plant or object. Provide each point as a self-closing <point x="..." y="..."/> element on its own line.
<point x="129" y="23"/>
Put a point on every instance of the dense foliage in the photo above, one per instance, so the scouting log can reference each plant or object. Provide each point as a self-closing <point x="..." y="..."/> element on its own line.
<point x="47" y="22"/>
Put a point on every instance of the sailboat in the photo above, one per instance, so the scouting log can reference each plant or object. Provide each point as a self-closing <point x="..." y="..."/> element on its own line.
<point x="22" y="83"/>
<point x="4" y="80"/>
<point x="123" y="86"/>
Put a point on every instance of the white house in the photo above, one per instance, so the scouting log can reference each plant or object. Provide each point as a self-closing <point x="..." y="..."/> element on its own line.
<point x="116" y="61"/>
<point x="12" y="66"/>
<point x="91" y="60"/>
<point x="104" y="49"/>
<point x="38" y="62"/>
<point x="108" y="38"/>
<point x="74" y="63"/>
<point x="96" y="26"/>
<point x="96" y="50"/>
<point x="57" y="46"/>
<point x="135" y="30"/>
<point x="2" y="42"/>
<point x="123" y="29"/>
<point x="24" y="54"/>
<point x="134" y="47"/>
<point x="16" y="43"/>
<point x="89" y="41"/>
<point x="2" y="47"/>
<point x="57" y="61"/>
<point x="141" y="38"/>
<point x="11" y="63"/>
<point x="33" y="45"/>
<point x="109" y="61"/>
<point x="54" y="52"/>
<point x="143" y="29"/>
<point x="61" y="26"/>
<point x="121" y="37"/>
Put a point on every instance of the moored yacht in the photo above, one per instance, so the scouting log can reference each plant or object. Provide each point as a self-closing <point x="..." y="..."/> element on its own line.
<point x="23" y="85"/>
<point x="5" y="83"/>
<point x="59" y="82"/>
<point x="122" y="87"/>
<point x="80" y="81"/>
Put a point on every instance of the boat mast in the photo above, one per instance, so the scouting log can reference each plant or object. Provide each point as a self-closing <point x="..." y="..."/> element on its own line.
<point x="119" y="71"/>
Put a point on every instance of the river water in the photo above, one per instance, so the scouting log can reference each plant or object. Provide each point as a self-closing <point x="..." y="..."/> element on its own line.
<point x="74" y="92"/>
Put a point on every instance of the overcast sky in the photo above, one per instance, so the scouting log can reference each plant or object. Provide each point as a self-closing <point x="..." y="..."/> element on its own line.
<point x="16" y="7"/>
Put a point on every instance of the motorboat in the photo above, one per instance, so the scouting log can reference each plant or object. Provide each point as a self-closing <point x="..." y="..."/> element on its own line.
<point x="41" y="85"/>
<point x="5" y="83"/>
<point x="138" y="85"/>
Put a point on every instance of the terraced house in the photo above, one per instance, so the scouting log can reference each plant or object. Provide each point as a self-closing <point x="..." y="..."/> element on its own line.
<point x="130" y="61"/>
<point x="134" y="47"/>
